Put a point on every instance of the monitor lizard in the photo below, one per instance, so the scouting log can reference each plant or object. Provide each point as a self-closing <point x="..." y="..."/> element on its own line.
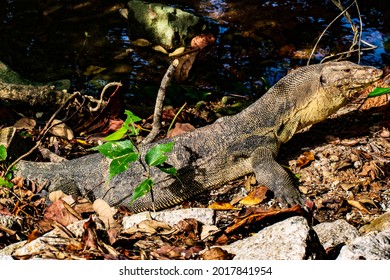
<point x="231" y="147"/>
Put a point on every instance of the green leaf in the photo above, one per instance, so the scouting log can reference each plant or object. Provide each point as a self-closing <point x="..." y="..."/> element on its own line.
<point x="3" y="152"/>
<point x="142" y="189"/>
<point x="121" y="163"/>
<point x="378" y="92"/>
<point x="117" y="135"/>
<point x="156" y="155"/>
<point x="5" y="183"/>
<point x="167" y="168"/>
<point x="115" y="149"/>
<point x="131" y="118"/>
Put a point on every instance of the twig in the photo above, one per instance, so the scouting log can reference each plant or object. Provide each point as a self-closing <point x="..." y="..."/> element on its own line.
<point x="357" y="38"/>
<point x="175" y="117"/>
<point x="160" y="102"/>
<point x="100" y="102"/>
<point x="323" y="32"/>
<point x="47" y="127"/>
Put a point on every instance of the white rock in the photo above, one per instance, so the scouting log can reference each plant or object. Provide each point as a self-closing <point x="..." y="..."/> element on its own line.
<point x="286" y="240"/>
<point x="373" y="246"/>
<point x="335" y="233"/>
<point x="203" y="215"/>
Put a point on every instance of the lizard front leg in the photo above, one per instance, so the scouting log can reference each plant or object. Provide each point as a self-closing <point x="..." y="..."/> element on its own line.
<point x="270" y="174"/>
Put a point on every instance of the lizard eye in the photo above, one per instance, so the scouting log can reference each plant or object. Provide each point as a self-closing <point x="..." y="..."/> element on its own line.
<point x="323" y="80"/>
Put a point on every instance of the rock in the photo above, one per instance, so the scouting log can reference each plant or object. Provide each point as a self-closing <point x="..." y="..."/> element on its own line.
<point x="5" y="258"/>
<point x="10" y="249"/>
<point x="379" y="224"/>
<point x="203" y="215"/>
<point x="161" y="24"/>
<point x="373" y="246"/>
<point x="335" y="233"/>
<point x="9" y="76"/>
<point x="291" y="239"/>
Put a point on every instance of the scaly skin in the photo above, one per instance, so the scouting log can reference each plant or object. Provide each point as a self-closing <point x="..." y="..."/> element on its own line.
<point x="226" y="150"/>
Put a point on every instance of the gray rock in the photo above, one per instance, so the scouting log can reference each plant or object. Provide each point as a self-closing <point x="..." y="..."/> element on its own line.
<point x="291" y="239"/>
<point x="373" y="246"/>
<point x="335" y="233"/>
<point x="161" y="24"/>
<point x="203" y="215"/>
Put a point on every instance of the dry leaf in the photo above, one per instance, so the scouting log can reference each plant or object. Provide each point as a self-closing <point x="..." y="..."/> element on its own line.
<point x="347" y="186"/>
<point x="257" y="217"/>
<point x="358" y="205"/>
<point x="33" y="235"/>
<point x="58" y="212"/>
<point x="368" y="201"/>
<point x="305" y="159"/>
<point x="185" y="64"/>
<point x="105" y="213"/>
<point x="56" y="195"/>
<point x="177" y="52"/>
<point x="90" y="238"/>
<point x="257" y="196"/>
<point x="159" y="48"/>
<point x="216" y="253"/>
<point x="208" y="230"/>
<point x="202" y="41"/>
<point x="249" y="182"/>
<point x="149" y="227"/>
<point x="93" y="70"/>
<point x="124" y="13"/>
<point x="222" y="206"/>
<point x="141" y="43"/>
<point x="60" y="129"/>
<point x="25" y="123"/>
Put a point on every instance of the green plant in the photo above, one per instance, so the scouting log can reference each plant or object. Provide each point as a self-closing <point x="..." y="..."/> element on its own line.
<point x="3" y="156"/>
<point x="124" y="152"/>
<point x="378" y="91"/>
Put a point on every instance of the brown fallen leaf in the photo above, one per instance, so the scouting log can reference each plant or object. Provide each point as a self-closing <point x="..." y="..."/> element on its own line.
<point x="33" y="235"/>
<point x="60" y="129"/>
<point x="59" y="213"/>
<point x="257" y="217"/>
<point x="257" y="196"/>
<point x="202" y="41"/>
<point x="305" y="159"/>
<point x="216" y="253"/>
<point x="183" y="68"/>
<point x="25" y="123"/>
<point x="358" y="205"/>
<point x="90" y="238"/>
<point x="222" y="206"/>
<point x="105" y="213"/>
<point x="208" y="230"/>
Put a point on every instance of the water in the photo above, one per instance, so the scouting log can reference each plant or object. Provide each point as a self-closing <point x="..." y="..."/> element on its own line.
<point x="256" y="42"/>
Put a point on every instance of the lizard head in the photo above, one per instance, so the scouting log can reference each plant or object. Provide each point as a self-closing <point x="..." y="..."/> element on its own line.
<point x="347" y="78"/>
<point x="329" y="89"/>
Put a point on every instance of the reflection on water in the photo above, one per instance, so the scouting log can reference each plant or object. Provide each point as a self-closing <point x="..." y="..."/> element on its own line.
<point x="45" y="40"/>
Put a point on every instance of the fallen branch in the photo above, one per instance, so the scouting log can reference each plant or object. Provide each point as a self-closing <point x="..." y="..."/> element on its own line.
<point x="160" y="102"/>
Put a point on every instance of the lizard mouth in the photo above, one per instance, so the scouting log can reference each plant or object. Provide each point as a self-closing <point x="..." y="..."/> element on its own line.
<point x="356" y="84"/>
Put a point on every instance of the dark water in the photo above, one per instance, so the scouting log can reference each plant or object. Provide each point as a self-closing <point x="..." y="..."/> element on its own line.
<point x="257" y="42"/>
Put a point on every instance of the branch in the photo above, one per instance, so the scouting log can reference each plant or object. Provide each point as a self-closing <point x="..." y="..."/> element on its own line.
<point x="160" y="102"/>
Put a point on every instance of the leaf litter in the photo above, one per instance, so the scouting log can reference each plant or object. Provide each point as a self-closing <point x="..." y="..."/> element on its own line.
<point x="342" y="163"/>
